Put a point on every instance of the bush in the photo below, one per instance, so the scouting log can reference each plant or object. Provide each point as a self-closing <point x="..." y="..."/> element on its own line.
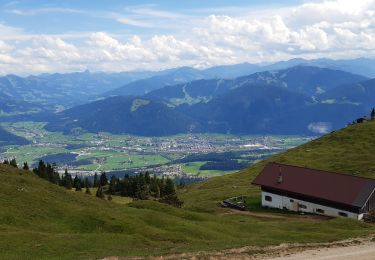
<point x="172" y="200"/>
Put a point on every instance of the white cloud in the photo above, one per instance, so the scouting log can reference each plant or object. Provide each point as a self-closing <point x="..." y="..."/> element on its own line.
<point x="320" y="127"/>
<point x="328" y="28"/>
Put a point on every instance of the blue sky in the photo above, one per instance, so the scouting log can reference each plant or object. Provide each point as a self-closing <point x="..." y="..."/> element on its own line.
<point x="72" y="16"/>
<point x="61" y="36"/>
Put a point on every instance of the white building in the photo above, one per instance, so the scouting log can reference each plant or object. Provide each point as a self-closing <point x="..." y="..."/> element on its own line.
<point x="314" y="191"/>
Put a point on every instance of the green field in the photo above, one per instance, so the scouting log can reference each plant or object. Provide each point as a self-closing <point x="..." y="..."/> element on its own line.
<point x="113" y="160"/>
<point x="40" y="220"/>
<point x="192" y="168"/>
<point x="108" y="152"/>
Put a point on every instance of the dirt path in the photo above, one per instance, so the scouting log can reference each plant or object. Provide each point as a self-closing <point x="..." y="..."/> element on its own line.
<point x="364" y="251"/>
<point x="358" y="249"/>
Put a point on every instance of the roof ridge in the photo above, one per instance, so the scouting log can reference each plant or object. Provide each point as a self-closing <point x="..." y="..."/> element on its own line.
<point x="331" y="172"/>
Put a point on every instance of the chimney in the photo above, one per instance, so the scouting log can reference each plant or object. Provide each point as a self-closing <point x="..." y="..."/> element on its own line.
<point x="280" y="178"/>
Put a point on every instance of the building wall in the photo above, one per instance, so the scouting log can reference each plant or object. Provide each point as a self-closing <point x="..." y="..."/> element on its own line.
<point x="370" y="204"/>
<point x="287" y="203"/>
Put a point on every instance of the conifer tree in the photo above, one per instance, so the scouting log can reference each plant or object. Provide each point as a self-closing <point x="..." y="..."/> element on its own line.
<point x="41" y="170"/>
<point x="13" y="163"/>
<point x="100" y="193"/>
<point x="76" y="181"/>
<point x="147" y="178"/>
<point x="126" y="186"/>
<point x="78" y="186"/>
<point x="373" y="114"/>
<point x="96" y="181"/>
<point x="25" y="166"/>
<point x="113" y="185"/>
<point x="50" y="173"/>
<point x="67" y="180"/>
<point x="169" y="188"/>
<point x="6" y="161"/>
<point x="103" y="179"/>
<point x="87" y="183"/>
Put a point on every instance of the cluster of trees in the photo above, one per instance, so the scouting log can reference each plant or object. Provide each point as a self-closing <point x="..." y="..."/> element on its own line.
<point x="13" y="163"/>
<point x="227" y="165"/>
<point x="49" y="173"/>
<point x="141" y="186"/>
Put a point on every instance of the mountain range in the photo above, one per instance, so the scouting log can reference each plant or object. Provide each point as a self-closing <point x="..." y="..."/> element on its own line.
<point x="288" y="101"/>
<point x="61" y="91"/>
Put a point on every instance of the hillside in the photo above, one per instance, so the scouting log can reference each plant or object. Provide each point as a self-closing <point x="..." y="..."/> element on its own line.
<point x="41" y="220"/>
<point x="362" y="93"/>
<point x="169" y="77"/>
<point x="307" y="80"/>
<point x="268" y="109"/>
<point x="348" y="151"/>
<point x="7" y="138"/>
<point x="120" y="114"/>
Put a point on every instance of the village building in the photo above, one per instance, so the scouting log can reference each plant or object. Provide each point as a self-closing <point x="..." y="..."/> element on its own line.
<point x="314" y="191"/>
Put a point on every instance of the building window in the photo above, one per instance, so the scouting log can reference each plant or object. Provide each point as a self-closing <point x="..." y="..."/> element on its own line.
<point x="343" y="214"/>
<point x="291" y="200"/>
<point x="301" y="206"/>
<point x="268" y="198"/>
<point x="319" y="211"/>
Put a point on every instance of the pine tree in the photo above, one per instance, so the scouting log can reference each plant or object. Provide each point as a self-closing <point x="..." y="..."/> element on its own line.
<point x="96" y="182"/>
<point x="41" y="170"/>
<point x="87" y="185"/>
<point x="78" y="186"/>
<point x="103" y="179"/>
<point x="6" y="161"/>
<point x="113" y="185"/>
<point x="50" y="173"/>
<point x="13" y="163"/>
<point x="100" y="193"/>
<point x="67" y="180"/>
<point x="126" y="186"/>
<point x="25" y="166"/>
<point x="169" y="188"/>
<point x="373" y="114"/>
<point x="147" y="178"/>
<point x="76" y="181"/>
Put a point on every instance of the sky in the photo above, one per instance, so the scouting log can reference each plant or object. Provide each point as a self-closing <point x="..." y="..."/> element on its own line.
<point x="76" y="35"/>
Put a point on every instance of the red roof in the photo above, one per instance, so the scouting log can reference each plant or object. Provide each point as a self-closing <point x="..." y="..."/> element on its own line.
<point x="334" y="187"/>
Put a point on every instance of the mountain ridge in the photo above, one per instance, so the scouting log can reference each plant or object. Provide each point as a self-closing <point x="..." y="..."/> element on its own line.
<point x="261" y="103"/>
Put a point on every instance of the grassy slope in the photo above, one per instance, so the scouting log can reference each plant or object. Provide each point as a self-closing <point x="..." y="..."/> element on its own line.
<point x="349" y="151"/>
<point x="40" y="220"/>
